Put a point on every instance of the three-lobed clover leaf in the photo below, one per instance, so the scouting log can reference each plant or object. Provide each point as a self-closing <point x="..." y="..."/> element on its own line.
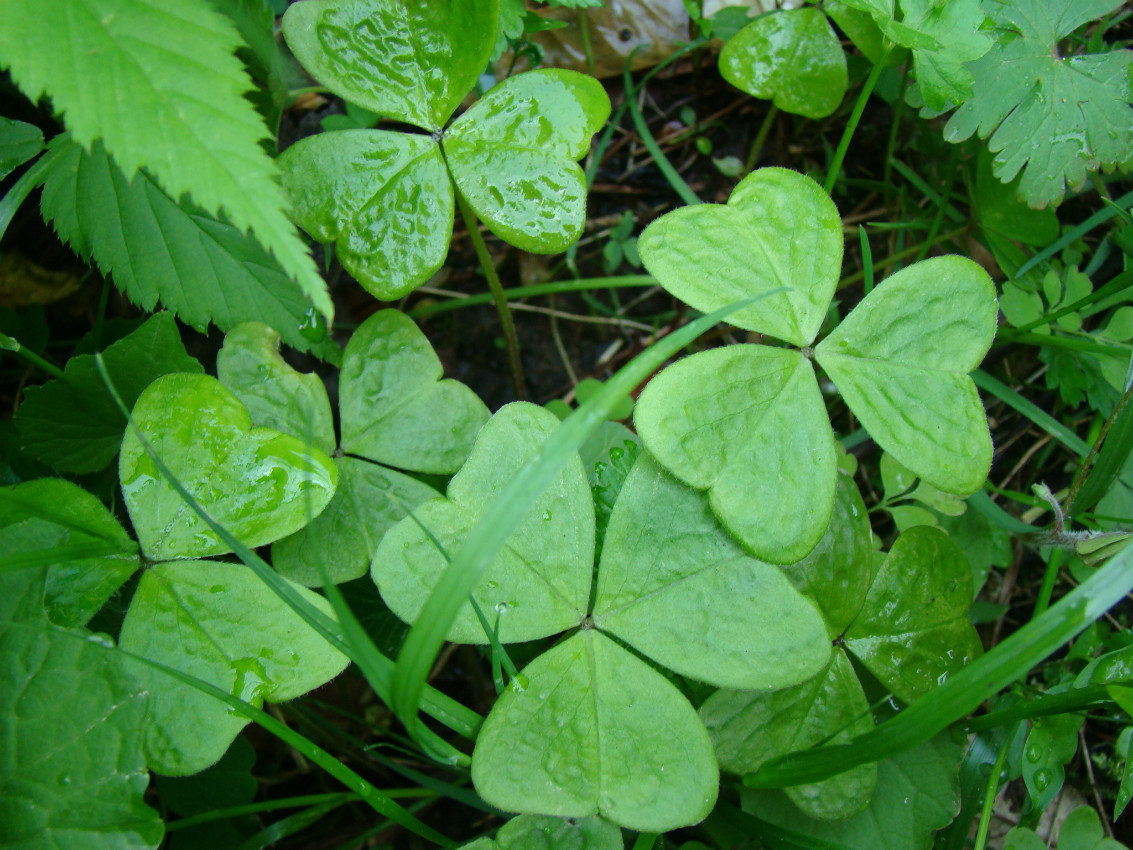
<point x="386" y="198"/>
<point x="1055" y="118"/>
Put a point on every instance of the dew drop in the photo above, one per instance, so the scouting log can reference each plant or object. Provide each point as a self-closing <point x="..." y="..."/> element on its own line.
<point x="546" y="515"/>
<point x="493" y="584"/>
<point x="1034" y="753"/>
<point x="217" y="588"/>
<point x="1042" y="779"/>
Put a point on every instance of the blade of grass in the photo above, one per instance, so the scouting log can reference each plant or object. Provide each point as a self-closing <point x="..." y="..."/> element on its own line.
<point x="855" y="117"/>
<point x="1036" y="414"/>
<point x="1076" y="233"/>
<point x="1119" y="283"/>
<point x="961" y="694"/>
<point x="517" y="292"/>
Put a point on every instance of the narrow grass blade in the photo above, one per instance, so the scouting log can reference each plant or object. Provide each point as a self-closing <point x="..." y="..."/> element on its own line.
<point x="534" y="291"/>
<point x="1036" y="414"/>
<point x="1108" y="462"/>
<point x="1100" y="217"/>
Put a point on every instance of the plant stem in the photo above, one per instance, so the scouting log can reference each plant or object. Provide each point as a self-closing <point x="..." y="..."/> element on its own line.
<point x="855" y="117"/>
<point x="551" y="288"/>
<point x="989" y="797"/>
<point x="760" y="138"/>
<point x="896" y="257"/>
<point x="498" y="296"/>
<point x="13" y="345"/>
<point x="1049" y="577"/>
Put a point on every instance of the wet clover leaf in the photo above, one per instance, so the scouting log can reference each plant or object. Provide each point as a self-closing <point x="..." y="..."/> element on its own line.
<point x="260" y="484"/>
<point x="219" y="623"/>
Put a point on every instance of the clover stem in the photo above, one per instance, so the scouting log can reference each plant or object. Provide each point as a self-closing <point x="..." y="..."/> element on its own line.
<point x="497" y="290"/>
<point x="855" y="117"/>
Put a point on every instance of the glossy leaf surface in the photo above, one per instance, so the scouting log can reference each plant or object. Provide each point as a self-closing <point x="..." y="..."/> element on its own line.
<point x="540" y="583"/>
<point x="276" y="395"/>
<point x="260" y="484"/>
<point x="957" y="37"/>
<point x="383" y="198"/>
<point x="791" y="57"/>
<point x="901" y="361"/>
<point x="514" y="156"/>
<point x="674" y="585"/>
<point x="73" y="423"/>
<point x="778" y="229"/>
<point x="914" y="630"/>
<point x="370" y="500"/>
<point x="750" y="727"/>
<point x="50" y="515"/>
<point x="395" y="408"/>
<point x="539" y="832"/>
<point x="220" y="623"/>
<point x="1051" y="744"/>
<point x="413" y="60"/>
<point x="596" y="731"/>
<point x="748" y="424"/>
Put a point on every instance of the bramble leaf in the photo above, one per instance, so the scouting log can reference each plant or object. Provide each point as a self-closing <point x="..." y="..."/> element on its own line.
<point x="668" y="571"/>
<point x="57" y="524"/>
<point x="395" y="408"/>
<point x="748" y="424"/>
<point x="73" y="423"/>
<point x="159" y="84"/>
<point x="914" y="629"/>
<point x="752" y="727"/>
<point x="901" y="361"/>
<point x="540" y="583"/>
<point x="1055" y="118"/>
<point x="791" y="57"/>
<point x="383" y="198"/>
<point x="413" y="60"/>
<point x="276" y="395"/>
<point x="778" y="230"/>
<point x="19" y="142"/>
<point x="219" y="623"/>
<point x="514" y="156"/>
<point x="369" y="500"/>
<point x="157" y="248"/>
<point x="258" y="483"/>
<point x="596" y="731"/>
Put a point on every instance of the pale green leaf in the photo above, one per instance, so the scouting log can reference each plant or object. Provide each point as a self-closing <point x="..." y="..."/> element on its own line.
<point x="539" y="832"/>
<point x="596" y="731"/>
<point x="19" y="142"/>
<point x="395" y="409"/>
<point x="369" y="500"/>
<point x="748" y="424"/>
<point x="791" y="57"/>
<point x="258" y="483"/>
<point x="778" y="230"/>
<point x="219" y="623"/>
<point x="413" y="60"/>
<point x="901" y="361"/>
<point x="52" y="514"/>
<point x="514" y="156"/>
<point x="71" y="769"/>
<point x="540" y="583"/>
<point x="1055" y="118"/>
<point x="910" y="516"/>
<point x="383" y="198"/>
<point x="73" y="423"/>
<point x="161" y="249"/>
<point x="913" y="630"/>
<point x="751" y="727"/>
<point x="917" y="793"/>
<point x="276" y="395"/>
<point x="1051" y="743"/>
<point x="160" y="85"/>
<point x="942" y="78"/>
<point x="668" y="571"/>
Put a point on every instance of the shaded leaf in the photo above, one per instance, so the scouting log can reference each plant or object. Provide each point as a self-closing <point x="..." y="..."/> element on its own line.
<point x="19" y="142"/>
<point x="538" y="832"/>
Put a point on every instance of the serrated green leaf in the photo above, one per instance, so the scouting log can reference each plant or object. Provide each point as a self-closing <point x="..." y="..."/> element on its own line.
<point x="942" y="78"/>
<point x="791" y="57"/>
<point x="413" y="60"/>
<point x="161" y="86"/>
<point x="276" y="396"/>
<point x="748" y="728"/>
<point x="917" y="793"/>
<point x="540" y="583"/>
<point x="394" y="406"/>
<point x="1055" y="118"/>
<point x="368" y="501"/>
<point x="71" y="768"/>
<point x="73" y="423"/>
<point x="161" y="249"/>
<point x="778" y="230"/>
<point x="1051" y="743"/>
<point x="219" y="623"/>
<point x="748" y="424"/>
<point x="383" y="198"/>
<point x="514" y="156"/>
<point x="52" y="514"/>
<point x="19" y="142"/>
<point x="668" y="569"/>
<point x="539" y="832"/>
<point x="913" y="630"/>
<point x="260" y="484"/>
<point x="596" y="731"/>
<point x="901" y="361"/>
